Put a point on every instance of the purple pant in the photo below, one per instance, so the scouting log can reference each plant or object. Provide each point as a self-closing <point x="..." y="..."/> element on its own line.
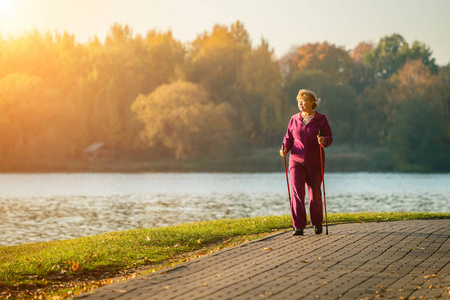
<point x="311" y="176"/>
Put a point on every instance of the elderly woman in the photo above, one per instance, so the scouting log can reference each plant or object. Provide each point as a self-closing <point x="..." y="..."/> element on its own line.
<point x="306" y="131"/>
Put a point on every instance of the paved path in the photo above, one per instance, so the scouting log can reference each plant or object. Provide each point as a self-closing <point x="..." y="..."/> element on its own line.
<point x="398" y="260"/>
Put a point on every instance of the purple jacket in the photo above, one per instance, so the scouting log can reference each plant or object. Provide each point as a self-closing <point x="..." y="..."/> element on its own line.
<point x="301" y="139"/>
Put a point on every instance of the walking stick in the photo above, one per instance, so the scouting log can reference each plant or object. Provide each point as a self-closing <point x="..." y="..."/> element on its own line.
<point x="287" y="180"/>
<point x="323" y="183"/>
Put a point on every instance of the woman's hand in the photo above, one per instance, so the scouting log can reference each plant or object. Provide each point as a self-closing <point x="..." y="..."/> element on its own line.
<point x="320" y="140"/>
<point x="283" y="152"/>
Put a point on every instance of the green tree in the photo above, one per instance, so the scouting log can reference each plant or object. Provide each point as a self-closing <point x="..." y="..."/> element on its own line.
<point x="373" y="109"/>
<point x="338" y="102"/>
<point x="258" y="94"/>
<point x="391" y="54"/>
<point x="420" y="51"/>
<point x="417" y="136"/>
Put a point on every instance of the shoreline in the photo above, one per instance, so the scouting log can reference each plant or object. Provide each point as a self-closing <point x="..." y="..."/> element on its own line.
<point x="342" y="158"/>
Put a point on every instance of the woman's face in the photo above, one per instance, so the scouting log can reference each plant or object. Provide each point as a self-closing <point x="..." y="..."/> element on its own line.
<point x="305" y="104"/>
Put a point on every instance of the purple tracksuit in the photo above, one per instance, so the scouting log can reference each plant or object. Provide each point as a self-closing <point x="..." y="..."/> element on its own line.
<point x="304" y="166"/>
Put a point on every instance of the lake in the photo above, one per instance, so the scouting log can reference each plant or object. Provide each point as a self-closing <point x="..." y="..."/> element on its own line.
<point x="44" y="207"/>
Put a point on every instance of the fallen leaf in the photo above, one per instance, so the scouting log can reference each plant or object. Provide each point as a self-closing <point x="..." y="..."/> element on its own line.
<point x="75" y="267"/>
<point x="147" y="239"/>
<point x="304" y="261"/>
<point x="218" y="275"/>
<point x="205" y="284"/>
<point x="266" y="294"/>
<point x="267" y="249"/>
<point x="198" y="241"/>
<point x="120" y="291"/>
<point x="167" y="287"/>
<point x="319" y="258"/>
<point x="430" y="276"/>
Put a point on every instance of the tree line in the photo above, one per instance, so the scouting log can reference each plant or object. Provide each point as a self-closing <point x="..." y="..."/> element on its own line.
<point x="215" y="97"/>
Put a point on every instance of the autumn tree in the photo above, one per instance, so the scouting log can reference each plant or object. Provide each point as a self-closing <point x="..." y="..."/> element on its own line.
<point x="182" y="118"/>
<point x="420" y="117"/>
<point x="415" y="80"/>
<point x="214" y="59"/>
<point x="330" y="59"/>
<point x="122" y="68"/>
<point x="361" y="50"/>
<point x="164" y="60"/>
<point x="17" y="57"/>
<point x="359" y="74"/>
<point x="58" y="96"/>
<point x="32" y="127"/>
<point x="226" y="65"/>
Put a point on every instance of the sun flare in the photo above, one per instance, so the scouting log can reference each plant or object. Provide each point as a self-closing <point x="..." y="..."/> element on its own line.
<point x="5" y="5"/>
<point x="6" y="9"/>
<point x="9" y="19"/>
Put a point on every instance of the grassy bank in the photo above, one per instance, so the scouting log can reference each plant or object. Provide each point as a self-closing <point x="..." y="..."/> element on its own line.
<point x="64" y="268"/>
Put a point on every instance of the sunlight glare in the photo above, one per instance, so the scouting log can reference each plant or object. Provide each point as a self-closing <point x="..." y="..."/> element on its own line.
<point x="5" y="6"/>
<point x="8" y="15"/>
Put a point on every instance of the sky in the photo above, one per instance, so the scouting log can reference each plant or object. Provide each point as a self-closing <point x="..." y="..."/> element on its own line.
<point x="283" y="23"/>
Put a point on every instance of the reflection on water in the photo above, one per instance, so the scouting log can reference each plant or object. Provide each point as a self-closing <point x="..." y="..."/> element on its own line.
<point x="43" y="207"/>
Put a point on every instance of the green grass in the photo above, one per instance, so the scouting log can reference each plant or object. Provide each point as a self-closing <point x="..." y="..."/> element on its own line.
<point x="40" y="266"/>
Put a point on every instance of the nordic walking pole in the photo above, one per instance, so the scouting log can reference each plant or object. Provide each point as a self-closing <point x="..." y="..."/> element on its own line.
<point x="323" y="183"/>
<point x="285" y="168"/>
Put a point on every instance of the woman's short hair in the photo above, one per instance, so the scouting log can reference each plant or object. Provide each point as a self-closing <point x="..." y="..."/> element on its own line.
<point x="310" y="95"/>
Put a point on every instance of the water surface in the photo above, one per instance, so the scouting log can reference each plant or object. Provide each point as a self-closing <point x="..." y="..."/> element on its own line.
<point x="43" y="207"/>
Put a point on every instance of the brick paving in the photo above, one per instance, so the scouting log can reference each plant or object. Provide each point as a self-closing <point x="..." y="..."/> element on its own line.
<point x="393" y="260"/>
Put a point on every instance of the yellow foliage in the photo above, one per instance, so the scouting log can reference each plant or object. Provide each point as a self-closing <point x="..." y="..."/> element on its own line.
<point x="181" y="117"/>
